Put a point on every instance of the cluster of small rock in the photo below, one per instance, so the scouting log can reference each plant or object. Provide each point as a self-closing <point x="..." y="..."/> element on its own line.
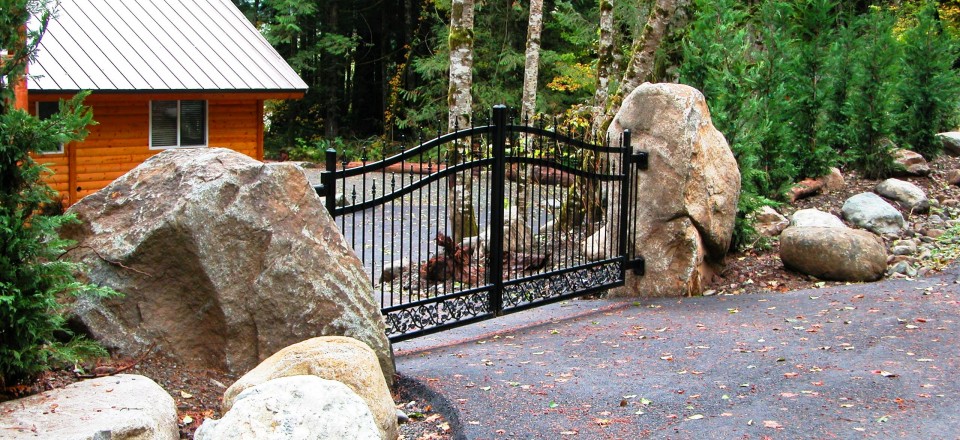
<point x="872" y="239"/>
<point x="329" y="387"/>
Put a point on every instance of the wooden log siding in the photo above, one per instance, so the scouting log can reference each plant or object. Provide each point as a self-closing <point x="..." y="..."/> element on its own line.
<point x="121" y="140"/>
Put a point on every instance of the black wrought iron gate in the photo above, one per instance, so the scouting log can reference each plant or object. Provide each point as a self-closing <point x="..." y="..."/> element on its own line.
<point x="551" y="216"/>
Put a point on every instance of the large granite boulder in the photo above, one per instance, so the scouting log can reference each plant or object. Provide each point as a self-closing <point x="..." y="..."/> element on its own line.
<point x="911" y="196"/>
<point x="342" y="359"/>
<point x="121" y="407"/>
<point x="869" y="211"/>
<point x="838" y="254"/>
<point x="295" y="407"/>
<point x="223" y="261"/>
<point x="688" y="196"/>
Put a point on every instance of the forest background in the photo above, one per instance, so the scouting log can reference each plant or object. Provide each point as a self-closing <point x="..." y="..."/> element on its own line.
<point x="795" y="86"/>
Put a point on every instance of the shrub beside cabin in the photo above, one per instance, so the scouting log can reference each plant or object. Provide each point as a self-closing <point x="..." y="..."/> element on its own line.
<point x="163" y="74"/>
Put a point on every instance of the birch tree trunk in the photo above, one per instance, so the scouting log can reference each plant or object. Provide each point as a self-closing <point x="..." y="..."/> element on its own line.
<point x="528" y="106"/>
<point x="463" y="220"/>
<point x="531" y="68"/>
<point x="460" y="43"/>
<point x="604" y="67"/>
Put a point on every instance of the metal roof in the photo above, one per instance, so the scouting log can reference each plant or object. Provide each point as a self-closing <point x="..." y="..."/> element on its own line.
<point x="157" y="46"/>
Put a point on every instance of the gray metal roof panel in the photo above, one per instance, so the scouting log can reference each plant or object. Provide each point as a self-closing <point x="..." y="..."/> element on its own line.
<point x="157" y="45"/>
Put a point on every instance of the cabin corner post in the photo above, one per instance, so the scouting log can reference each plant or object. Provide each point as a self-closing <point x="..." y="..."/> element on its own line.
<point x="260" y="130"/>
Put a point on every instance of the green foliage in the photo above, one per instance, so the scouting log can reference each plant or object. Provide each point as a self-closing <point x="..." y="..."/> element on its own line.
<point x="869" y="108"/>
<point x="722" y="60"/>
<point x="930" y="91"/>
<point x="33" y="277"/>
<point x="809" y="28"/>
<point x="799" y="86"/>
<point x="33" y="334"/>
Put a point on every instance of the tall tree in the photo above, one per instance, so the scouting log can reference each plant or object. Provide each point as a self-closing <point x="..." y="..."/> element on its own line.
<point x="811" y="27"/>
<point x="645" y="47"/>
<point x="643" y="52"/>
<point x="460" y="42"/>
<point x="463" y="220"/>
<point x="931" y="90"/>
<point x="872" y="89"/>
<point x="531" y="68"/>
<point x="605" y="64"/>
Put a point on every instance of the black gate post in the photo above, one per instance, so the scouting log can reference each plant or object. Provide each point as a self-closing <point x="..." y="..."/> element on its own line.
<point x="626" y="195"/>
<point x="498" y="179"/>
<point x="329" y="181"/>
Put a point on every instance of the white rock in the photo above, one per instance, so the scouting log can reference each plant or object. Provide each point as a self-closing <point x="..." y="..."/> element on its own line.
<point x="951" y="142"/>
<point x="338" y="358"/>
<point x="121" y="407"/>
<point x="815" y="218"/>
<point x="295" y="407"/>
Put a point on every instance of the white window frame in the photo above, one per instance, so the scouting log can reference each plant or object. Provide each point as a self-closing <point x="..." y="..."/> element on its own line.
<point x="206" y="124"/>
<point x="36" y="111"/>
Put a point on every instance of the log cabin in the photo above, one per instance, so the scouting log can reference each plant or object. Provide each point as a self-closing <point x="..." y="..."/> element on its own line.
<point x="162" y="74"/>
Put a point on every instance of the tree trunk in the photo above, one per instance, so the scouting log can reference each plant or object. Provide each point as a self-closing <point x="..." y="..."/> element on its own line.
<point x="463" y="220"/>
<point x="644" y="50"/>
<point x="645" y="47"/>
<point x="531" y="68"/>
<point x="461" y="64"/>
<point x="528" y="109"/>
<point x="604" y="66"/>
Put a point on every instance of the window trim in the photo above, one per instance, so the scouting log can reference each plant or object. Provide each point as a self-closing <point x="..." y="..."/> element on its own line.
<point x="206" y="124"/>
<point x="61" y="149"/>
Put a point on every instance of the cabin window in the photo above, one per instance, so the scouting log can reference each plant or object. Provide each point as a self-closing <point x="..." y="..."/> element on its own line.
<point x="46" y="110"/>
<point x="178" y="124"/>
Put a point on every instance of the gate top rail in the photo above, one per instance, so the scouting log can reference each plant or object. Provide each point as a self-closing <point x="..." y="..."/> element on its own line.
<point x="407" y="154"/>
<point x="466" y="133"/>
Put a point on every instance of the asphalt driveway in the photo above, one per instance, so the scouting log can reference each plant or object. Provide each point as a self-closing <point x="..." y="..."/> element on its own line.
<point x="861" y="361"/>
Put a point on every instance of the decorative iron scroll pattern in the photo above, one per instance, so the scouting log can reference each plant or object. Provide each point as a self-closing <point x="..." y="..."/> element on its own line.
<point x="442" y="313"/>
<point x="560" y="284"/>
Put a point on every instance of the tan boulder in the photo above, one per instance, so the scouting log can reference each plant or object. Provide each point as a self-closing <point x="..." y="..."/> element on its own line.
<point x="838" y="254"/>
<point x="953" y="177"/>
<point x="688" y="195"/>
<point x="341" y="359"/>
<point x="223" y="261"/>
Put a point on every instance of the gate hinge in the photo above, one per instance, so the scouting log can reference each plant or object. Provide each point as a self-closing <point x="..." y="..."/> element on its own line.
<point x="641" y="159"/>
<point x="638" y="265"/>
